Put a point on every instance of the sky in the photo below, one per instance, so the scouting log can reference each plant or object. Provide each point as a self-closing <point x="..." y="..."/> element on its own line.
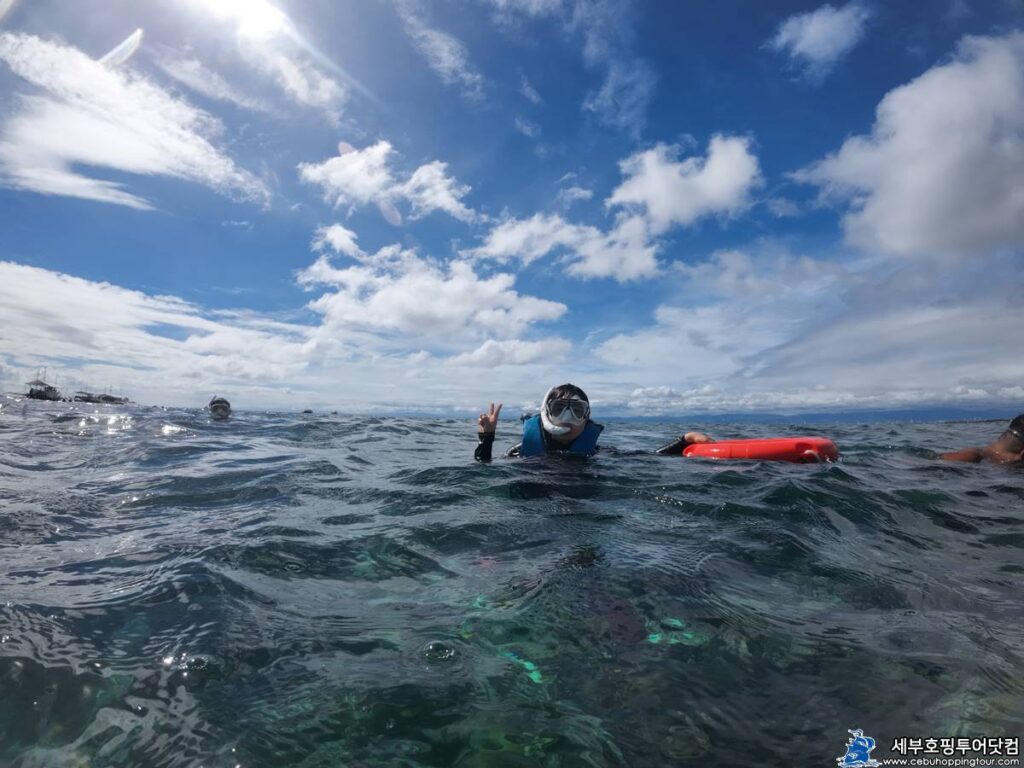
<point x="395" y="205"/>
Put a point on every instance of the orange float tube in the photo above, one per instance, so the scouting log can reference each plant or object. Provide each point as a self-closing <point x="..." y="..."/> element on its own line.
<point x="799" y="450"/>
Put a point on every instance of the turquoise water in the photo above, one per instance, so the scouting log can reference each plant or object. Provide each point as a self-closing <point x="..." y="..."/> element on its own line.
<point x="286" y="590"/>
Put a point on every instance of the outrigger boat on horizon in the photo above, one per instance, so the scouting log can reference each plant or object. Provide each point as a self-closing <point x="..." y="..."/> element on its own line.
<point x="89" y="397"/>
<point x="40" y="390"/>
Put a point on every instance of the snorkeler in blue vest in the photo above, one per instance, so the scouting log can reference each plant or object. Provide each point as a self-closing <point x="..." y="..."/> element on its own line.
<point x="563" y="426"/>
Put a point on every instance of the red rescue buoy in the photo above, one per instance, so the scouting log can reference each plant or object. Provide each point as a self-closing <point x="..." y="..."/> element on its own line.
<point x="799" y="450"/>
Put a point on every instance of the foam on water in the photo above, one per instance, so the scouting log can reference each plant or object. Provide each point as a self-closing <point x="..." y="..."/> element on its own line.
<point x="303" y="590"/>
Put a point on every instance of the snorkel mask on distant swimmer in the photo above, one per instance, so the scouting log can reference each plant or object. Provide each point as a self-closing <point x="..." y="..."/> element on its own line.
<point x="559" y="415"/>
<point x="219" y="408"/>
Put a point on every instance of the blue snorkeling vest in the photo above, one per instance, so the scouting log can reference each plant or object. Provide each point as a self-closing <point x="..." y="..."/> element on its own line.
<point x="533" y="440"/>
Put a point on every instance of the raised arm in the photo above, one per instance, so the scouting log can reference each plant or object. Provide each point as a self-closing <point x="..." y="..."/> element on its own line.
<point x="675" y="448"/>
<point x="487" y="423"/>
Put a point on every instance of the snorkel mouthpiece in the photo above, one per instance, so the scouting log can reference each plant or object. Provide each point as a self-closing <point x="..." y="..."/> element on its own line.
<point x="552" y="428"/>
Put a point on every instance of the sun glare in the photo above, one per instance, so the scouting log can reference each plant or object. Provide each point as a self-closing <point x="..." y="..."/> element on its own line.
<point x="256" y="18"/>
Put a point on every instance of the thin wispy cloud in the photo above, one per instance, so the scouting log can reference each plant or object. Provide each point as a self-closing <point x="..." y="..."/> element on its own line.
<point x="533" y="8"/>
<point x="82" y="113"/>
<point x="196" y="76"/>
<point x="605" y="31"/>
<point x="629" y="82"/>
<point x="443" y="52"/>
<point x="623" y="98"/>
<point x="527" y="128"/>
<point x="574" y="194"/>
<point x="526" y="88"/>
<point x="303" y="83"/>
<point x="269" y="40"/>
<point x="816" y="41"/>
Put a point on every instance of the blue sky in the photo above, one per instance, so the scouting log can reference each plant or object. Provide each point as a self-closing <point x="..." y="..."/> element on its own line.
<point x="383" y="204"/>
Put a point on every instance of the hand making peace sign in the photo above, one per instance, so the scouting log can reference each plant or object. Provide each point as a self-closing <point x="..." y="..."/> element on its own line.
<point x="488" y="422"/>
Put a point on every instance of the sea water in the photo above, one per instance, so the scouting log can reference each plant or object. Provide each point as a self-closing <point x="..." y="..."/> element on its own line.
<point x="330" y="590"/>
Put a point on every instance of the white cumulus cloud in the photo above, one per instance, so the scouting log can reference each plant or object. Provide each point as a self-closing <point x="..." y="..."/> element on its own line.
<point x="430" y="189"/>
<point x="659" y="192"/>
<point x="395" y="291"/>
<point x="530" y="239"/>
<point x="361" y="176"/>
<point x="623" y="253"/>
<point x="339" y="239"/>
<point x="493" y="353"/>
<point x="671" y="192"/>
<point x="88" y="114"/>
<point x="942" y="171"/>
<point x="817" y="40"/>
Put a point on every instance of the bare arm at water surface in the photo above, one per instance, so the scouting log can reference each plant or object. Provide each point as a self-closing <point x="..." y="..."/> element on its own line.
<point x="994" y="453"/>
<point x="1008" y="448"/>
<point x="487" y="424"/>
<point x="675" y="448"/>
<point x="973" y="455"/>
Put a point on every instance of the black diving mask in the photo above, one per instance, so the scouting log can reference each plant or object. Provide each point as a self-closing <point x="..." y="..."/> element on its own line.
<point x="577" y="409"/>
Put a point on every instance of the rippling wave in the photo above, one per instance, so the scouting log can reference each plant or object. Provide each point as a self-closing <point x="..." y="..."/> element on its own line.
<point x="333" y="590"/>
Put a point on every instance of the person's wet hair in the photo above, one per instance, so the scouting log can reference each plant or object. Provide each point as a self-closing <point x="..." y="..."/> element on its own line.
<point x="567" y="391"/>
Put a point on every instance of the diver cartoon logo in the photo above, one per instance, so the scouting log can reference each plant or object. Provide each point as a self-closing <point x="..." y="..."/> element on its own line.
<point x="858" y="751"/>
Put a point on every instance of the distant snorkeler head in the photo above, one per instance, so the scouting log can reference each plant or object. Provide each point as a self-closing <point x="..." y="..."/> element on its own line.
<point x="563" y="408"/>
<point x="219" y="408"/>
<point x="1013" y="437"/>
